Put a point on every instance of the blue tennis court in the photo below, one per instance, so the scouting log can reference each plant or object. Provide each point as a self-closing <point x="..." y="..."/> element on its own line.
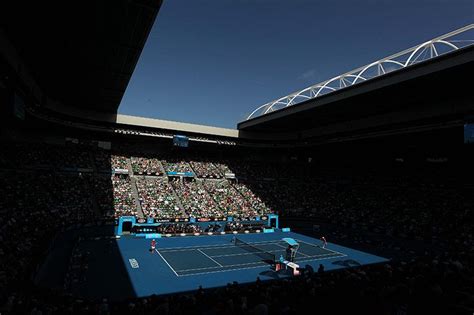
<point x="181" y="264"/>
<point x="194" y="260"/>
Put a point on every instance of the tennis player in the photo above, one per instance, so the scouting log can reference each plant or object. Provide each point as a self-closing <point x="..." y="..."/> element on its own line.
<point x="153" y="246"/>
<point x="290" y="253"/>
<point x="325" y="243"/>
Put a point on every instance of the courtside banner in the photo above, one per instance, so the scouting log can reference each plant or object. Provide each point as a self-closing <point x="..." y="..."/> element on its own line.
<point x="120" y="171"/>
<point x="185" y="174"/>
<point x="162" y="220"/>
<point x="156" y="220"/>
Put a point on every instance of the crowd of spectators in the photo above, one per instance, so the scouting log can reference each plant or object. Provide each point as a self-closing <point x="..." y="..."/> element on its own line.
<point x="4" y="162"/>
<point x="37" y="204"/>
<point x="105" y="194"/>
<point x="119" y="162"/>
<point x="423" y="285"/>
<point x="205" y="169"/>
<point x="72" y="199"/>
<point x="415" y="211"/>
<point x="123" y="202"/>
<point x="146" y="166"/>
<point x="34" y="207"/>
<point x="76" y="274"/>
<point x="257" y="206"/>
<point x="157" y="199"/>
<point x="176" y="165"/>
<point x="222" y="167"/>
<point x="47" y="156"/>
<point x="114" y="197"/>
<point x="102" y="159"/>
<point x="250" y="169"/>
<point x="178" y="228"/>
<point x="195" y="199"/>
<point x="72" y="157"/>
<point x="31" y="156"/>
<point x="213" y="227"/>
<point x="234" y="226"/>
<point x="228" y="199"/>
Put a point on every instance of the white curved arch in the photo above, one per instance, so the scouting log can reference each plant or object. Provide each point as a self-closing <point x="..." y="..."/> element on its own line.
<point x="433" y="48"/>
<point x="415" y="51"/>
<point x="359" y="75"/>
<point x="392" y="61"/>
<point x="325" y="85"/>
<point x="431" y="42"/>
<point x="356" y="77"/>
<point x="345" y="80"/>
<point x="365" y="69"/>
<point x="297" y="95"/>
<point x="256" y="110"/>
<point x="271" y="106"/>
<point x="440" y="41"/>
<point x="353" y="76"/>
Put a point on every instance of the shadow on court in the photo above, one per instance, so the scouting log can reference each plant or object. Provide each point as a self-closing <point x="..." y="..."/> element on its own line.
<point x="187" y="261"/>
<point x="87" y="263"/>
<point x="347" y="263"/>
<point x="280" y="274"/>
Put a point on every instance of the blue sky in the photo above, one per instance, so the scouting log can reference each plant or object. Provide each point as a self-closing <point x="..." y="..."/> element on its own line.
<point x="213" y="62"/>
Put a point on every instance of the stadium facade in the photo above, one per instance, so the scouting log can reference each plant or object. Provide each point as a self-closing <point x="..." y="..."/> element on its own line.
<point x="68" y="157"/>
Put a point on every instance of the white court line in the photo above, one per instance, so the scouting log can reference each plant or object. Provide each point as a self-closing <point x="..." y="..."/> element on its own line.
<point x="271" y="251"/>
<point x="322" y="248"/>
<point x="166" y="262"/>
<point x="199" y="250"/>
<point x="246" y="253"/>
<point x="270" y="242"/>
<point x="193" y="248"/>
<point x="184" y="248"/>
<point x="209" y="272"/>
<point x="205" y="268"/>
<point x="243" y="254"/>
<point x="259" y="262"/>
<point x="220" y="245"/>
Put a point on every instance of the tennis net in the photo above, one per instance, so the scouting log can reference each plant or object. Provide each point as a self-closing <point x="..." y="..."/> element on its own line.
<point x="257" y="251"/>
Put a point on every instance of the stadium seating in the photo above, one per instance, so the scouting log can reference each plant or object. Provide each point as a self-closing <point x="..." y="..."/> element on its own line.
<point x="176" y="165"/>
<point x="123" y="199"/>
<point x="119" y="162"/>
<point x="205" y="169"/>
<point x="43" y="196"/>
<point x="146" y="166"/>
<point x="158" y="200"/>
<point x="228" y="199"/>
<point x="195" y="199"/>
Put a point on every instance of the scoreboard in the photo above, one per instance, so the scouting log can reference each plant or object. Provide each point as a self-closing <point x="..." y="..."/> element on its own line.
<point x="180" y="141"/>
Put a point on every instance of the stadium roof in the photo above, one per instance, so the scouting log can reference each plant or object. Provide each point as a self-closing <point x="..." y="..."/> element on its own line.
<point x="83" y="59"/>
<point x="174" y="125"/>
<point x="435" y="47"/>
<point x="82" y="53"/>
<point x="439" y="87"/>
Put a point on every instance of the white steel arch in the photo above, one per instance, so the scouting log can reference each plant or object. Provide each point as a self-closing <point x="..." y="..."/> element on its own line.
<point x="454" y="40"/>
